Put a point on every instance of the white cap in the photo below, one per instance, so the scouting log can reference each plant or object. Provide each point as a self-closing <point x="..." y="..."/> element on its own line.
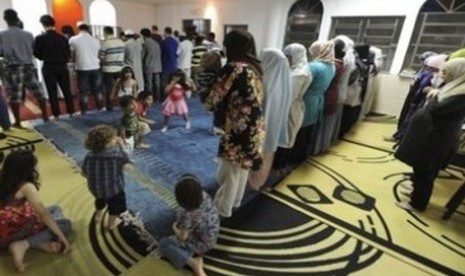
<point x="129" y="32"/>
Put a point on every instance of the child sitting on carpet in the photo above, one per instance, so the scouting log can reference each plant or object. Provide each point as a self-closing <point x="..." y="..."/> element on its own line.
<point x="133" y="127"/>
<point x="25" y="222"/>
<point x="196" y="228"/>
<point x="175" y="103"/>
<point x="144" y="102"/>
<point x="126" y="85"/>
<point x="103" y="167"/>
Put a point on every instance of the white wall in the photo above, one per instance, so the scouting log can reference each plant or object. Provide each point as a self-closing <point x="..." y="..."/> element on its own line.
<point x="266" y="19"/>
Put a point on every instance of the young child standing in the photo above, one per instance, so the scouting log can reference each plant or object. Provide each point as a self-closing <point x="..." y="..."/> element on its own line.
<point x="126" y="85"/>
<point x="175" y="103"/>
<point x="144" y="102"/>
<point x="133" y="127"/>
<point x="196" y="229"/>
<point x="211" y="66"/>
<point x="103" y="167"/>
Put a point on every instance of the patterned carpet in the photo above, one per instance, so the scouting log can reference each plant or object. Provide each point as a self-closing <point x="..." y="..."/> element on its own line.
<point x="334" y="215"/>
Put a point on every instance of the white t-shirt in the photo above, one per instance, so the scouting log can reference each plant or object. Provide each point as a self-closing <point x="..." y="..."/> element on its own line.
<point x="86" y="49"/>
<point x="185" y="54"/>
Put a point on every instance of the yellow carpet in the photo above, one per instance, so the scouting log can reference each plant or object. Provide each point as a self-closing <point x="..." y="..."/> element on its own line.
<point x="62" y="184"/>
<point x="352" y="189"/>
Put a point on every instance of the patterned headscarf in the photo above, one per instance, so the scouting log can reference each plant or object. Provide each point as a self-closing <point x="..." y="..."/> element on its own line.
<point x="322" y="50"/>
<point x="455" y="79"/>
<point x="298" y="55"/>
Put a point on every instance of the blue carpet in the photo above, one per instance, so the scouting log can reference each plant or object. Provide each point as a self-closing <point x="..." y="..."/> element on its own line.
<point x="173" y="153"/>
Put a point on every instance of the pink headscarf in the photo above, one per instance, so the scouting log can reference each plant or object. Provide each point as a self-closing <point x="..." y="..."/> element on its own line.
<point x="322" y="50"/>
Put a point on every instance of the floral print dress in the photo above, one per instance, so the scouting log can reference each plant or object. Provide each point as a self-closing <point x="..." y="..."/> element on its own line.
<point x="241" y="89"/>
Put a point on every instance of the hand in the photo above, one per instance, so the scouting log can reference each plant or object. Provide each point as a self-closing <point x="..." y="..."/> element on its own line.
<point x="67" y="246"/>
<point x="119" y="141"/>
<point x="427" y="89"/>
<point x="175" y="80"/>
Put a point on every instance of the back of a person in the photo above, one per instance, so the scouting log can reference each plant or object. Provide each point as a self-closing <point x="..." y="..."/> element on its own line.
<point x="113" y="61"/>
<point x="152" y="58"/>
<point x="205" y="233"/>
<point x="17" y="46"/>
<point x="55" y="47"/>
<point x="197" y="53"/>
<point x="185" y="54"/>
<point x="169" y="55"/>
<point x="86" y="49"/>
<point x="322" y="73"/>
<point x="133" y="53"/>
<point x="22" y="220"/>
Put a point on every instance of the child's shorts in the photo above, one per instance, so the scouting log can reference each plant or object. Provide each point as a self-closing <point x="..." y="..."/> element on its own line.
<point x="116" y="204"/>
<point x="143" y="128"/>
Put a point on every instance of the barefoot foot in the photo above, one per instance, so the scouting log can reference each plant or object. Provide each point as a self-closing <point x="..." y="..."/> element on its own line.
<point x="53" y="247"/>
<point x="18" y="250"/>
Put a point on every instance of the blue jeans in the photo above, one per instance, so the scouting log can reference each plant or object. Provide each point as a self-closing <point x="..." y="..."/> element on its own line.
<point x="46" y="235"/>
<point x="89" y="80"/>
<point x="175" y="252"/>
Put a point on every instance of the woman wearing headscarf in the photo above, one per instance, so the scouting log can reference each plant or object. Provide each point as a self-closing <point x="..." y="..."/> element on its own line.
<point x="433" y="135"/>
<point x="427" y="76"/>
<point x="327" y="128"/>
<point x="431" y="73"/>
<point x="277" y="83"/>
<point x="240" y="91"/>
<point x="349" y="67"/>
<point x="300" y="81"/>
<point x="322" y="70"/>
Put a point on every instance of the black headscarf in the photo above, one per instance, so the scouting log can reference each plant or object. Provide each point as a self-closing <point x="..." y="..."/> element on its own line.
<point x="240" y="46"/>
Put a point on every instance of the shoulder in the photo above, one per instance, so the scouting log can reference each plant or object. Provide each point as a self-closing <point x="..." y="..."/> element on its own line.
<point x="26" y="189"/>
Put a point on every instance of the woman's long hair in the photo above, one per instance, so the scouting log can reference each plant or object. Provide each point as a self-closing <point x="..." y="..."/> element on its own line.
<point x="19" y="167"/>
<point x="240" y="46"/>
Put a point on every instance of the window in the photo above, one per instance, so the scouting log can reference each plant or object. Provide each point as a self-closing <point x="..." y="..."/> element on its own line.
<point x="440" y="27"/>
<point x="200" y="26"/>
<point x="303" y="22"/>
<point x="102" y="13"/>
<point x="382" y="32"/>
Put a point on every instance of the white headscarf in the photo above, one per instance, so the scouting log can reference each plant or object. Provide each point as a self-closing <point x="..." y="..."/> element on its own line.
<point x="455" y="79"/>
<point x="277" y="82"/>
<point x="298" y="55"/>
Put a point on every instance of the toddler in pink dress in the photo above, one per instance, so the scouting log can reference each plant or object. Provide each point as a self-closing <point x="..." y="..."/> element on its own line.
<point x="175" y="103"/>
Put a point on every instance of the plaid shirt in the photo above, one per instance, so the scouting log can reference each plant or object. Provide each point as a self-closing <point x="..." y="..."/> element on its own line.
<point x="104" y="172"/>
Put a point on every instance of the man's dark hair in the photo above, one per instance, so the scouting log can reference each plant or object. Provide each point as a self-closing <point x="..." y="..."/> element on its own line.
<point x="154" y="28"/>
<point x="84" y="27"/>
<point x="211" y="36"/>
<point x="47" y="20"/>
<point x="168" y="30"/>
<point x="145" y="32"/>
<point x="11" y="17"/>
<point x="108" y="30"/>
<point x="188" y="192"/>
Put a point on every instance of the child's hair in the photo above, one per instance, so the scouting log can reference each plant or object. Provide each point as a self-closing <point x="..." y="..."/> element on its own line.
<point x="188" y="192"/>
<point x="182" y="78"/>
<point x="125" y="70"/>
<point x="211" y="61"/>
<point x="126" y="100"/>
<point x="19" y="167"/>
<point x="99" y="137"/>
<point x="143" y="95"/>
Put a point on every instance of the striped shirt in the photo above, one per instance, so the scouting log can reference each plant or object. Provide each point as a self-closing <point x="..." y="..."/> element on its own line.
<point x="112" y="55"/>
<point x="197" y="53"/>
<point x="104" y="172"/>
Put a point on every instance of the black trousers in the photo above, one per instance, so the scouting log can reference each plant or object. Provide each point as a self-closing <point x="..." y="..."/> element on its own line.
<point x="57" y="74"/>
<point x="116" y="204"/>
<point x="423" y="181"/>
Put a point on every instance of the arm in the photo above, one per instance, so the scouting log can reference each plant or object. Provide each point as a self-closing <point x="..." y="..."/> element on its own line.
<point x="32" y="196"/>
<point x="38" y="51"/>
<point x="181" y="234"/>
<point x="221" y="88"/>
<point x="170" y="86"/>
